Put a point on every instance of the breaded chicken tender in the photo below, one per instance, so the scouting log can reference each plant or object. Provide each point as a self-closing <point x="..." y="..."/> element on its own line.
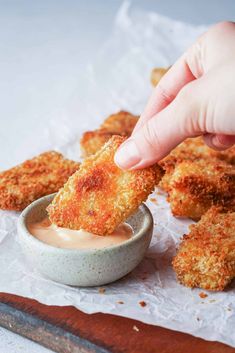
<point x="157" y="73"/>
<point x="34" y="178"/>
<point x="121" y="123"/>
<point x="206" y="256"/>
<point x="195" y="186"/>
<point x="192" y="149"/>
<point x="92" y="141"/>
<point x="100" y="196"/>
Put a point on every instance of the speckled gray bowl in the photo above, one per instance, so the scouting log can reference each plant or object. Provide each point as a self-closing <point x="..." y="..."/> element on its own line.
<point x="85" y="267"/>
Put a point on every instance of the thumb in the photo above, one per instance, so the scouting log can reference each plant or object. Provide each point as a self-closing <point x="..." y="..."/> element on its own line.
<point x="164" y="131"/>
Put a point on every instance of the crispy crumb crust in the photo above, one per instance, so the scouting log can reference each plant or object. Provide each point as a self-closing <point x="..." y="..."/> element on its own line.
<point x="100" y="196"/>
<point x="34" y="178"/>
<point x="157" y="73"/>
<point x="92" y="141"/>
<point x="196" y="186"/>
<point x="192" y="149"/>
<point x="206" y="256"/>
<point x="121" y="123"/>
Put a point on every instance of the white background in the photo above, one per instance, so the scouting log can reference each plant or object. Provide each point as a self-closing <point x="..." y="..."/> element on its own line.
<point x="44" y="48"/>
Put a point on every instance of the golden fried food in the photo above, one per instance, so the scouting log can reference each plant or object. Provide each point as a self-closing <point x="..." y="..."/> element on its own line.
<point x="192" y="149"/>
<point x="92" y="141"/>
<point x="195" y="186"/>
<point x="121" y="123"/>
<point x="157" y="73"/>
<point x="206" y="256"/>
<point x="34" y="178"/>
<point x="100" y="196"/>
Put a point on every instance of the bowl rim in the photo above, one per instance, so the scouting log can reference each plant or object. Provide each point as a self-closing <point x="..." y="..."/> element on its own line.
<point x="23" y="230"/>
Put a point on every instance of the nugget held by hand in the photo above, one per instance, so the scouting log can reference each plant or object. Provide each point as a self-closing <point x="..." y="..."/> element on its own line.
<point x="206" y="256"/>
<point x="100" y="196"/>
<point x="34" y="178"/>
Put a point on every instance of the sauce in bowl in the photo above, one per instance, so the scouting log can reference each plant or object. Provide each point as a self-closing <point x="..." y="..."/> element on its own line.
<point x="65" y="238"/>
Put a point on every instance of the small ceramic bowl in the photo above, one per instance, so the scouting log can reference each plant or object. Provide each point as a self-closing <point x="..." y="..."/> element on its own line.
<point x="85" y="267"/>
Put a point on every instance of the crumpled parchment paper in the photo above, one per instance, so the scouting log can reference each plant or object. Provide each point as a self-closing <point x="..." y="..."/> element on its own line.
<point x="119" y="79"/>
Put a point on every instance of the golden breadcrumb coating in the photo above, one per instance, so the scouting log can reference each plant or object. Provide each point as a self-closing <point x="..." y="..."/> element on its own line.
<point x="206" y="256"/>
<point x="192" y="149"/>
<point x="92" y="141"/>
<point x="34" y="178"/>
<point x="100" y="195"/>
<point x="157" y="74"/>
<point x="197" y="185"/>
<point x="121" y="123"/>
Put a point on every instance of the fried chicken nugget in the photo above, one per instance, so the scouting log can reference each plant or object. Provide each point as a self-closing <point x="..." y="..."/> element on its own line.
<point x="100" y="196"/>
<point x="157" y="73"/>
<point x="192" y="149"/>
<point x="195" y="186"/>
<point x="206" y="256"/>
<point x="121" y="123"/>
<point x="34" y="178"/>
<point x="92" y="141"/>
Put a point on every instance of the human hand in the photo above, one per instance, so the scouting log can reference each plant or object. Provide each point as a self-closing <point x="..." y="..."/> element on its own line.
<point x="195" y="97"/>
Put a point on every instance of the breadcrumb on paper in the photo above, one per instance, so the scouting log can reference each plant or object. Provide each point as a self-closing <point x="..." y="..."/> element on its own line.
<point x="34" y="178"/>
<point x="142" y="303"/>
<point x="100" y="195"/>
<point x="206" y="256"/>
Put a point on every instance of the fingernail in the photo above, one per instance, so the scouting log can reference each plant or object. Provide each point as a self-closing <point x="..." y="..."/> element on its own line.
<point x="222" y="141"/>
<point x="127" y="155"/>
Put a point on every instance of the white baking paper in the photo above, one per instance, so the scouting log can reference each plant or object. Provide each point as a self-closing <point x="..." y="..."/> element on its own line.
<point x="119" y="79"/>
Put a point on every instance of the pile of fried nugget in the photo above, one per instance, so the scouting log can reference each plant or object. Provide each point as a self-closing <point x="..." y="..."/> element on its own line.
<point x="96" y="195"/>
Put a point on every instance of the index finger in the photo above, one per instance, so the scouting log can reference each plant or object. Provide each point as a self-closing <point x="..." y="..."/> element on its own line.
<point x="165" y="92"/>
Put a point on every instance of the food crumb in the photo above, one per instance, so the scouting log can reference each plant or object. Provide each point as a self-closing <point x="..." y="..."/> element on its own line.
<point x="152" y="199"/>
<point x="135" y="328"/>
<point x="203" y="295"/>
<point x="144" y="275"/>
<point x="198" y="318"/>
<point x="229" y="309"/>
<point x="212" y="301"/>
<point x="142" y="303"/>
<point x="120" y="302"/>
<point x="101" y="290"/>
